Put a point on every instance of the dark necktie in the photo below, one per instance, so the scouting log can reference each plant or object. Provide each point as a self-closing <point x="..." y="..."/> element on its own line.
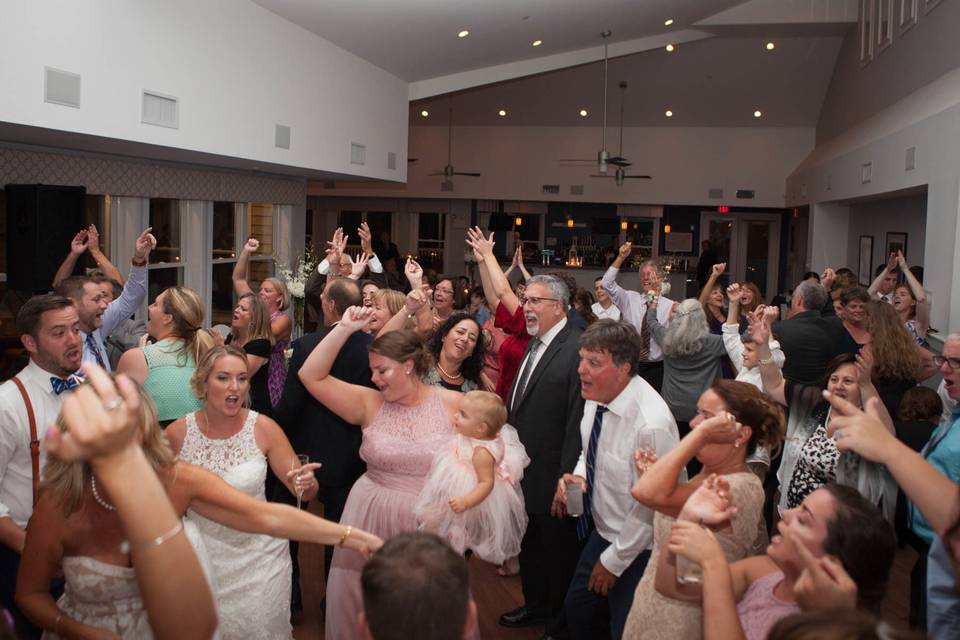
<point x="527" y="370"/>
<point x="585" y="522"/>
<point x="95" y="348"/>
<point x="60" y="385"/>
<point x="645" y="339"/>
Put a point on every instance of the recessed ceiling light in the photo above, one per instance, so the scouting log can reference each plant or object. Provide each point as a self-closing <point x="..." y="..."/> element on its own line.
<point x="501" y="113"/>
<point x="463" y="34"/>
<point x="583" y="113"/>
<point x="771" y="46"/>
<point x="670" y="47"/>
<point x="757" y="113"/>
<point x="668" y="113"/>
<point x="537" y="43"/>
<point x="668" y="22"/>
<point x="424" y="113"/>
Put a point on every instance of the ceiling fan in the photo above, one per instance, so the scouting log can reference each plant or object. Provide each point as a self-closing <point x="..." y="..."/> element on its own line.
<point x="603" y="156"/>
<point x="622" y="163"/>
<point x="448" y="172"/>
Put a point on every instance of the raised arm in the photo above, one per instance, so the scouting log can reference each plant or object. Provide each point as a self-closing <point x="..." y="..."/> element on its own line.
<point x="519" y="258"/>
<point x="501" y="290"/>
<point x="864" y="366"/>
<point x="715" y="272"/>
<point x="93" y="246"/>
<point x="354" y="403"/>
<point x="414" y="273"/>
<point x="770" y="374"/>
<point x="733" y="308"/>
<point x="417" y="308"/>
<point x="240" y="284"/>
<point x="923" y="307"/>
<point x="77" y="246"/>
<point x="874" y="289"/>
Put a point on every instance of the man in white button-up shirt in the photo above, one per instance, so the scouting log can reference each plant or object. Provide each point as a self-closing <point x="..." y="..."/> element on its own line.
<point x="49" y="329"/>
<point x="619" y="530"/>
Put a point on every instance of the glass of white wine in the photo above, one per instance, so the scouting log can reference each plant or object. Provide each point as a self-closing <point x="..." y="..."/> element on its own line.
<point x="301" y="460"/>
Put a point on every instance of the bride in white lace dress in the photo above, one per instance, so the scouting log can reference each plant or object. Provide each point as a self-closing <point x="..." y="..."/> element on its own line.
<point x="76" y="526"/>
<point x="253" y="572"/>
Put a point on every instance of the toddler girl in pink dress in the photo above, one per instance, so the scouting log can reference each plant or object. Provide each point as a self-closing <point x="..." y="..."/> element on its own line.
<point x="472" y="495"/>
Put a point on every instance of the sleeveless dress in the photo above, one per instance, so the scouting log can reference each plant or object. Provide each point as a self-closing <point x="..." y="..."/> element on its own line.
<point x="168" y="379"/>
<point x="399" y="446"/>
<point x="106" y="596"/>
<point x="277" y="366"/>
<point x="492" y="529"/>
<point x="759" y="609"/>
<point x="253" y="572"/>
<point x="654" y="615"/>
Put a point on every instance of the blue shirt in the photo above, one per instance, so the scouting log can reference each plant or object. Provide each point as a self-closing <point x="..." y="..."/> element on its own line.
<point x="943" y="603"/>
<point x="943" y="453"/>
<point x="134" y="291"/>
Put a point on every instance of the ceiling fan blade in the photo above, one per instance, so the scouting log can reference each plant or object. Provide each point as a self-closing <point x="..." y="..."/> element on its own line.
<point x="639" y="177"/>
<point x="475" y="174"/>
<point x="619" y="161"/>
<point x="579" y="160"/>
<point x="435" y="173"/>
<point x="601" y="175"/>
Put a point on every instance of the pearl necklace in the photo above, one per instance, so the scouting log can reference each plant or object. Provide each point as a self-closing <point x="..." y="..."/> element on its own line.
<point x="447" y="375"/>
<point x="96" y="496"/>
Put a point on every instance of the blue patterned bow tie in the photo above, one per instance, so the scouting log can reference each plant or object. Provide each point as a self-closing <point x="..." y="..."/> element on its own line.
<point x="60" y="385"/>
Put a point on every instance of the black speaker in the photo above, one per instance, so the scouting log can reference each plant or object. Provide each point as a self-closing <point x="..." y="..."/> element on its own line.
<point x="41" y="222"/>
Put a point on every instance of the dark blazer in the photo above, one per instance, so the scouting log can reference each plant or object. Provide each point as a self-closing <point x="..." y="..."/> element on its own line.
<point x="809" y="341"/>
<point x="310" y="426"/>
<point x="547" y="419"/>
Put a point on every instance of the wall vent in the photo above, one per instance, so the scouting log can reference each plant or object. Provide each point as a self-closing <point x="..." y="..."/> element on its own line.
<point x="748" y="194"/>
<point x="866" y="172"/>
<point x="446" y="185"/>
<point x="61" y="87"/>
<point x="391" y="161"/>
<point x="160" y="110"/>
<point x="281" y="136"/>
<point x="715" y="194"/>
<point x="551" y="189"/>
<point x="358" y="153"/>
<point x="576" y="189"/>
<point x="911" y="160"/>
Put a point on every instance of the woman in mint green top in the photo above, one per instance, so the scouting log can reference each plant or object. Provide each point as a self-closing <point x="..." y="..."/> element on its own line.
<point x="164" y="368"/>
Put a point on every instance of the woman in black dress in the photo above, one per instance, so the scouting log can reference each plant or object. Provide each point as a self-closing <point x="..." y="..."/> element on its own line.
<point x="250" y="328"/>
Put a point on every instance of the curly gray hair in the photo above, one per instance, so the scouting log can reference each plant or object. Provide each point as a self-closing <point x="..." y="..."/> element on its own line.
<point x="687" y="331"/>
<point x="557" y="288"/>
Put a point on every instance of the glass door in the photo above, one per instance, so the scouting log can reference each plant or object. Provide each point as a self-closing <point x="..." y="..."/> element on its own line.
<point x="750" y="245"/>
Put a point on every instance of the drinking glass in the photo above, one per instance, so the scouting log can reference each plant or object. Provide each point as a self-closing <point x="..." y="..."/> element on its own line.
<point x="647" y="444"/>
<point x="301" y="460"/>
<point x="688" y="571"/>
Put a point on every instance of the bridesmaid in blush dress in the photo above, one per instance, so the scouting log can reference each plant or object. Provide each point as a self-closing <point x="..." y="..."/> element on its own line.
<point x="405" y="423"/>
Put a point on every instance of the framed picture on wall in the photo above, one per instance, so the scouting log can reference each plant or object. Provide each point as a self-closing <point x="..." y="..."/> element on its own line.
<point x="896" y="241"/>
<point x="884" y="24"/>
<point x="865" y="273"/>
<point x="866" y="23"/>
<point x="908" y="14"/>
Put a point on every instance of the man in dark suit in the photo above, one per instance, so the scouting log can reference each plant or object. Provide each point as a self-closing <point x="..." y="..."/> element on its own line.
<point x="808" y="339"/>
<point x="545" y="406"/>
<point x="311" y="427"/>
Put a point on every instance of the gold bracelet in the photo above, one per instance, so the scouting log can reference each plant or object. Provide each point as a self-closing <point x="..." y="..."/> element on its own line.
<point x="346" y="534"/>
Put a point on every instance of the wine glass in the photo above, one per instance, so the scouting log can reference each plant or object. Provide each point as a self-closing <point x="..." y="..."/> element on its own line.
<point x="647" y="444"/>
<point x="301" y="460"/>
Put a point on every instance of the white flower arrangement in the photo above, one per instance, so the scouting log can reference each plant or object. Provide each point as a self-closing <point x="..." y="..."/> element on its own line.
<point x="296" y="279"/>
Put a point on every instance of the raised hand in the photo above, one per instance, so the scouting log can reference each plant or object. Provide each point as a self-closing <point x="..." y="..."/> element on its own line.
<point x="358" y="266"/>
<point x="356" y="318"/>
<point x="79" y="243"/>
<point x="696" y="543"/>
<point x="902" y="261"/>
<point x="145" y="244"/>
<point x="827" y="278"/>
<point x="625" y="249"/>
<point x="335" y="247"/>
<point x="517" y="257"/>
<point x="718" y="269"/>
<point x="757" y="327"/>
<point x="733" y="293"/>
<point x="710" y="503"/>
<point x="414" y="273"/>
<point x="823" y="582"/>
<point x="93" y="239"/>
<point x="418" y="298"/>
<point x="862" y="432"/>
<point x="251" y="245"/>
<point x="864" y="365"/>
<point x="366" y="239"/>
<point x="479" y="242"/>
<point x="892" y="262"/>
<point x="722" y="428"/>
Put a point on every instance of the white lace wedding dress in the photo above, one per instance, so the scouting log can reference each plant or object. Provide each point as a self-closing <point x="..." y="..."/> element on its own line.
<point x="252" y="572"/>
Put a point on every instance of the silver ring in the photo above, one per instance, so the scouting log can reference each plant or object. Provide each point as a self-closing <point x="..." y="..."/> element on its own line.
<point x="113" y="404"/>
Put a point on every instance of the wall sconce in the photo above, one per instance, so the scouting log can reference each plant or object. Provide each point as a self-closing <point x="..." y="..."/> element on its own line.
<point x="518" y="222"/>
<point x="570" y="223"/>
<point x="666" y="228"/>
<point x="623" y="225"/>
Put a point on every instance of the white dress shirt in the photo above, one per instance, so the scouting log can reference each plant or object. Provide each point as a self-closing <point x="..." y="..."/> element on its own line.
<point x="633" y="308"/>
<point x="373" y="264"/>
<point x="545" y="341"/>
<point x="734" y="346"/>
<point x="620" y="519"/>
<point x="610" y="312"/>
<point x="134" y="291"/>
<point x="16" y="471"/>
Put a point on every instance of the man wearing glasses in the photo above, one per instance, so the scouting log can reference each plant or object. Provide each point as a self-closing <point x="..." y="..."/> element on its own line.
<point x="545" y="406"/>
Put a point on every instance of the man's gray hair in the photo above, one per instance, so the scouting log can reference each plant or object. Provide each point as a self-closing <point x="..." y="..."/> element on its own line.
<point x="812" y="295"/>
<point x="656" y="266"/>
<point x="557" y="288"/>
<point x="688" y="330"/>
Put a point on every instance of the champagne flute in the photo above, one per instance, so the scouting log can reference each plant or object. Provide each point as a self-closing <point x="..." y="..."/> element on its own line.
<point x="301" y="460"/>
<point x="647" y="444"/>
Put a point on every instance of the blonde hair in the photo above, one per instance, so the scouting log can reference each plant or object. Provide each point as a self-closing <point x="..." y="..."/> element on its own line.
<point x="187" y="310"/>
<point x="895" y="353"/>
<point x="394" y="299"/>
<point x="491" y="408"/>
<point x="282" y="291"/>
<point x="198" y="381"/>
<point x="69" y="479"/>
<point x="259" y="327"/>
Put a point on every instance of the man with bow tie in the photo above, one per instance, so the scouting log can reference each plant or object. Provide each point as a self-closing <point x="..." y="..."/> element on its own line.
<point x="49" y="329"/>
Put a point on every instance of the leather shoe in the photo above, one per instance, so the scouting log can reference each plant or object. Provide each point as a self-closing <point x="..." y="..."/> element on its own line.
<point x="521" y="617"/>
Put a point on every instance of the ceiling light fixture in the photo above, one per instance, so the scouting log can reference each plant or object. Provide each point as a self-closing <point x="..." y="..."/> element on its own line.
<point x="537" y="43"/>
<point x="583" y="113"/>
<point x="771" y="46"/>
<point x="501" y="113"/>
<point x="668" y="22"/>
<point x="668" y="113"/>
<point x="424" y="113"/>
<point x="670" y="47"/>
<point x="463" y="34"/>
<point x="757" y="113"/>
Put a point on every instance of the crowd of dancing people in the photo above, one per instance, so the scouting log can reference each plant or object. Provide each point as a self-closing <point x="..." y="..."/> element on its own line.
<point x="715" y="467"/>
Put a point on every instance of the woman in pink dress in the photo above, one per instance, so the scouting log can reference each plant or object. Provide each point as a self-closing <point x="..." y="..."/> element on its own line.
<point x="405" y="423"/>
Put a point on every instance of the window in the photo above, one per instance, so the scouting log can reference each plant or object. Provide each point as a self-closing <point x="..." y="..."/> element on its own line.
<point x="866" y="31"/>
<point x="378" y="221"/>
<point x="431" y="231"/>
<point x="166" y="268"/>
<point x="260" y="226"/>
<point x="884" y="24"/>
<point x="223" y="255"/>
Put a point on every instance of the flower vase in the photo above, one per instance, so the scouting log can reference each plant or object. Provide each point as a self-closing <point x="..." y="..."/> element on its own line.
<point x="297" y="330"/>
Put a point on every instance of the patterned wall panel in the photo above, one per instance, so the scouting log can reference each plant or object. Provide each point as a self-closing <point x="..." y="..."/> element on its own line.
<point x="144" y="179"/>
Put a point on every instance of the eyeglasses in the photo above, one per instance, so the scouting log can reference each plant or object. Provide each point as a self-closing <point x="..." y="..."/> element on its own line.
<point x="953" y="363"/>
<point x="535" y="301"/>
<point x="439" y="290"/>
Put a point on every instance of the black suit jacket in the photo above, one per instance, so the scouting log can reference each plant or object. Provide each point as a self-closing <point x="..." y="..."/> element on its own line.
<point x="547" y="419"/>
<point x="809" y="341"/>
<point x="310" y="426"/>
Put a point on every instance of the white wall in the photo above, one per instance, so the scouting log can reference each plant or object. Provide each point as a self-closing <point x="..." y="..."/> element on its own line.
<point x="685" y="164"/>
<point x="237" y="69"/>
<point x="878" y="217"/>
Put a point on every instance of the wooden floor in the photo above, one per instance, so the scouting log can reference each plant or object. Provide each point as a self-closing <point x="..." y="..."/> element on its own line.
<point x="495" y="595"/>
